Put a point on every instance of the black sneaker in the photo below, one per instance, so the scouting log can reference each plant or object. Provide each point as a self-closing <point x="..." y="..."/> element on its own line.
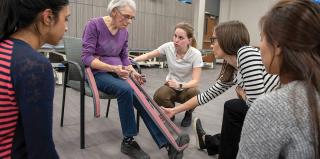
<point x="172" y="118"/>
<point x="186" y="121"/>
<point x="181" y="140"/>
<point x="133" y="150"/>
<point x="198" y="130"/>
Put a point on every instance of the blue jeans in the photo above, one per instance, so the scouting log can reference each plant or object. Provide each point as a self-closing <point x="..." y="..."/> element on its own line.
<point x="111" y="84"/>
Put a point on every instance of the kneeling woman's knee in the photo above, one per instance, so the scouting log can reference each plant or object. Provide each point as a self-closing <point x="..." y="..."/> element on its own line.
<point x="236" y="105"/>
<point x="230" y="104"/>
<point x="162" y="93"/>
<point x="191" y="92"/>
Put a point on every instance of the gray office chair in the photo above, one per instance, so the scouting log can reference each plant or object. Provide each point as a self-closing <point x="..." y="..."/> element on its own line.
<point x="80" y="78"/>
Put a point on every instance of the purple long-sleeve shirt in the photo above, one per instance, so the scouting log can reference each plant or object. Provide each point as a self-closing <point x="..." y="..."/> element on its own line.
<point x="98" y="42"/>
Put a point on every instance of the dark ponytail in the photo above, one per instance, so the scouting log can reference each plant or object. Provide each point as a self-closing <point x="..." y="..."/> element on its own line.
<point x="16" y="14"/>
<point x="286" y="24"/>
<point x="8" y="18"/>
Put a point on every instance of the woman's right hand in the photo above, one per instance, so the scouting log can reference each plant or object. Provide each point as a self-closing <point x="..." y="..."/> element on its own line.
<point x="169" y="111"/>
<point x="122" y="73"/>
<point x="172" y="83"/>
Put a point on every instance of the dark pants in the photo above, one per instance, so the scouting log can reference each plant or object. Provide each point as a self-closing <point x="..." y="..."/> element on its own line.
<point x="234" y="114"/>
<point x="127" y="99"/>
<point x="166" y="96"/>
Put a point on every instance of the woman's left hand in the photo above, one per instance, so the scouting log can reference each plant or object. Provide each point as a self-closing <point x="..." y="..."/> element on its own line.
<point x="138" y="77"/>
<point x="241" y="93"/>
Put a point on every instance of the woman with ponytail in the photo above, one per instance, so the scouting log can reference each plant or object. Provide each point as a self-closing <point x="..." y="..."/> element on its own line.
<point x="285" y="123"/>
<point x="184" y="63"/>
<point x="26" y="77"/>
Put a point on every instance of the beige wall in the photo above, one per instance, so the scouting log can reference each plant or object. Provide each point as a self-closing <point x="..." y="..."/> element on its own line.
<point x="155" y="19"/>
<point x="154" y="24"/>
<point x="247" y="11"/>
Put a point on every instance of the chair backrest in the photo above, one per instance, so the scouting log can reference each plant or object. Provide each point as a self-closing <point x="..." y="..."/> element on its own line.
<point x="73" y="49"/>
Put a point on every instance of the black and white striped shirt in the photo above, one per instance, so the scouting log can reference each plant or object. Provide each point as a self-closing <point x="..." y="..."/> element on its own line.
<point x="251" y="76"/>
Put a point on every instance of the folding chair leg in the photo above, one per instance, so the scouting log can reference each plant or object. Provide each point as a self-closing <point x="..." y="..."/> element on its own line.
<point x="63" y="104"/>
<point x="82" y="119"/>
<point x="107" y="112"/>
<point x="64" y="95"/>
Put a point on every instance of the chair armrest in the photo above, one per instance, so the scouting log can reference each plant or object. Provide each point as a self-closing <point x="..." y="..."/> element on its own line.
<point x="79" y="69"/>
<point x="94" y="89"/>
<point x="66" y="63"/>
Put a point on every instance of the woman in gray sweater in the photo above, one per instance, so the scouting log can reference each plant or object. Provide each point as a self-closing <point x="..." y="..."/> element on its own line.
<point x="285" y="123"/>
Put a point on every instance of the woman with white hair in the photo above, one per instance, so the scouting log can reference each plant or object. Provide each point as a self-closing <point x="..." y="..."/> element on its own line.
<point x="105" y="43"/>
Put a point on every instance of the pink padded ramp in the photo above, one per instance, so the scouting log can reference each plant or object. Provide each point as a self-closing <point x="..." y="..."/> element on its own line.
<point x="167" y="127"/>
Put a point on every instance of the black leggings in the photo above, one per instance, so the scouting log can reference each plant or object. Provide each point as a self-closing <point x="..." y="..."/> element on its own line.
<point x="234" y="114"/>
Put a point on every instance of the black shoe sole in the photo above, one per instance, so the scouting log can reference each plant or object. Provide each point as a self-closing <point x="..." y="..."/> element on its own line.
<point x="126" y="151"/>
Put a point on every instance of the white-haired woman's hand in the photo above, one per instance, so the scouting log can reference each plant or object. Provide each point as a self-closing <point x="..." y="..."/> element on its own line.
<point x="121" y="72"/>
<point x="138" y="77"/>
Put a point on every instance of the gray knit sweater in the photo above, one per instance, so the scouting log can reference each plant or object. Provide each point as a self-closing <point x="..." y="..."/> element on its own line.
<point x="278" y="125"/>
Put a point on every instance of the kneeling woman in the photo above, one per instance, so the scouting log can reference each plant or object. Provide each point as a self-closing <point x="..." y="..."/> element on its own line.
<point x="242" y="67"/>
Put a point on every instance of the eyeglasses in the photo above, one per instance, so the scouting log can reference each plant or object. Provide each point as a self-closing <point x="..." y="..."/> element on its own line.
<point x="213" y="40"/>
<point x="126" y="16"/>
